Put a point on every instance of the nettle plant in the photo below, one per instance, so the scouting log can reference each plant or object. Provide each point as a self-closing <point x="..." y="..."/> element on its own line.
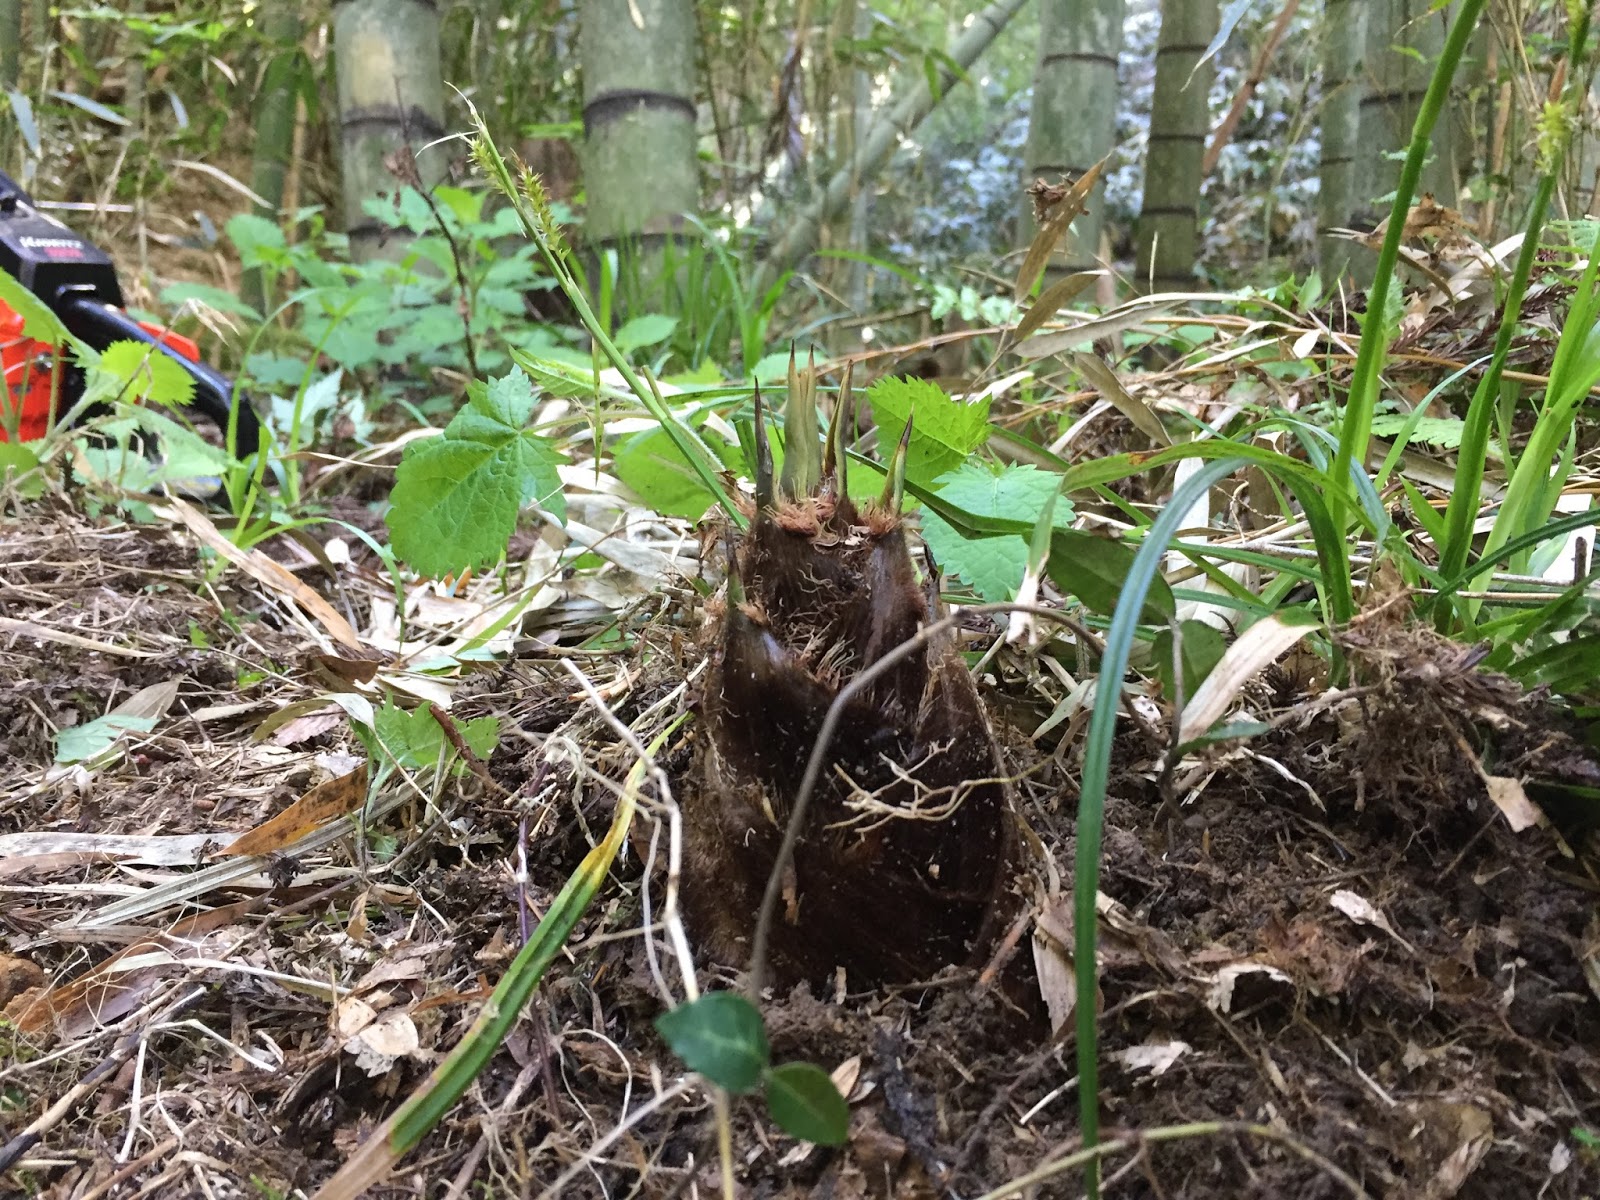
<point x="456" y="301"/>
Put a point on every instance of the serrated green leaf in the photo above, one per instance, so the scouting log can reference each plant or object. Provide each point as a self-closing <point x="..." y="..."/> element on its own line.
<point x="416" y="740"/>
<point x="721" y="1036"/>
<point x="1017" y="493"/>
<point x="79" y="743"/>
<point x="256" y="238"/>
<point x="1444" y="432"/>
<point x="805" y="1103"/>
<point x="1094" y="569"/>
<point x="145" y="373"/>
<point x="993" y="563"/>
<point x="456" y="497"/>
<point x="943" y="431"/>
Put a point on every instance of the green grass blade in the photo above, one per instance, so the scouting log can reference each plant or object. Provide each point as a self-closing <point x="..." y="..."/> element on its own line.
<point x="1357" y="425"/>
<point x="1096" y="772"/>
<point x="434" y="1100"/>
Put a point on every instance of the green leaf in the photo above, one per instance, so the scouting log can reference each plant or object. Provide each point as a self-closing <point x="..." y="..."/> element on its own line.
<point x="648" y="330"/>
<point x="771" y="368"/>
<point x="17" y="466"/>
<point x="256" y="237"/>
<point x="651" y="464"/>
<point x="1228" y="731"/>
<point x="146" y="373"/>
<point x="943" y="431"/>
<point x="1017" y="493"/>
<point x="1199" y="646"/>
<point x="38" y="322"/>
<point x="78" y="743"/>
<point x="218" y="298"/>
<point x="804" y="1102"/>
<point x="416" y="739"/>
<point x="1444" y="432"/>
<point x="721" y="1036"/>
<point x="456" y="497"/>
<point x="185" y="455"/>
<point x="993" y="564"/>
<point x="1094" y="569"/>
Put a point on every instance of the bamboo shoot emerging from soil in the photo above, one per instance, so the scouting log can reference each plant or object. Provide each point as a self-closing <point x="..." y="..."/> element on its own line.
<point x="904" y="863"/>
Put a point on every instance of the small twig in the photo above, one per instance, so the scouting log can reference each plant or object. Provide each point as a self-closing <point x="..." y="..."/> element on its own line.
<point x="123" y="1174"/>
<point x="452" y="734"/>
<point x="404" y="169"/>
<point x="819" y="750"/>
<point x="109" y="1066"/>
<point x="558" y="1185"/>
<point x="669" y="916"/>
<point x="1173" y="1133"/>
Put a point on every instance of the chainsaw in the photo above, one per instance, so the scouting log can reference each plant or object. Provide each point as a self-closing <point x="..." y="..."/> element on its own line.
<point x="78" y="283"/>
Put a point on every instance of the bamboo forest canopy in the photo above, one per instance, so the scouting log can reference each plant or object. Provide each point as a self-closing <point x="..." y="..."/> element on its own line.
<point x="899" y="134"/>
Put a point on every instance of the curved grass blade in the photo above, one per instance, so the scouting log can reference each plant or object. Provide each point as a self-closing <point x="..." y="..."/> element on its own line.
<point x="1096" y="772"/>
<point x="434" y="1099"/>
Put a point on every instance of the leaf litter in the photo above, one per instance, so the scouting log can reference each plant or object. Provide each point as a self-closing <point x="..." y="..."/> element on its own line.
<point x="1353" y="934"/>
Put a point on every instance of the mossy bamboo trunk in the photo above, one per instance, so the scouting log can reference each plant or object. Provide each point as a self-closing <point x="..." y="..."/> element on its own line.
<point x="1402" y="40"/>
<point x="10" y="69"/>
<point x="1180" y="117"/>
<point x="275" y="104"/>
<point x="641" y="172"/>
<point x="391" y="95"/>
<point x="1074" y="111"/>
<point x="1343" y="83"/>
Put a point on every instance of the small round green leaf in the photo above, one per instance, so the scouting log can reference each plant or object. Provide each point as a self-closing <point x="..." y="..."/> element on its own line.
<point x="720" y="1036"/>
<point x="804" y="1102"/>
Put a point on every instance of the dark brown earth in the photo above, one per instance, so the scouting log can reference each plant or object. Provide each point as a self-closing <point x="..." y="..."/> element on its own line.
<point x="1450" y="1050"/>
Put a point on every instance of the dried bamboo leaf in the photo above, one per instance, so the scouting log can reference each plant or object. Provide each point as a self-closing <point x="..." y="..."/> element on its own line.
<point x="1254" y="649"/>
<point x="1104" y="380"/>
<point x="1051" y="232"/>
<point x="1051" y="300"/>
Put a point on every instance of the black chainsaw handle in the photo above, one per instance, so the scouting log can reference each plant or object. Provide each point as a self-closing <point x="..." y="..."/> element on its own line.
<point x="100" y="324"/>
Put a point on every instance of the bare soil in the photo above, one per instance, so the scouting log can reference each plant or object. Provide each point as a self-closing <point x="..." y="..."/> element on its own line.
<point x="1335" y="936"/>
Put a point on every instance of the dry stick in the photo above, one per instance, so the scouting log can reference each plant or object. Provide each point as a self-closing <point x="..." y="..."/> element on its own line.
<point x="57" y="1112"/>
<point x="659" y="1100"/>
<point x="1172" y="1133"/>
<point x="1258" y="71"/>
<point x="819" y="750"/>
<point x="453" y="735"/>
<point x="128" y="1172"/>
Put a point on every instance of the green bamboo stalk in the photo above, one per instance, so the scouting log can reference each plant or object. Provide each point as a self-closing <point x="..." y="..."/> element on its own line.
<point x="1464" y="499"/>
<point x="1356" y="429"/>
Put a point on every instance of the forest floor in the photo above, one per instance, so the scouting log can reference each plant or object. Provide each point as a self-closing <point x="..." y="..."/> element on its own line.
<point x="1333" y="942"/>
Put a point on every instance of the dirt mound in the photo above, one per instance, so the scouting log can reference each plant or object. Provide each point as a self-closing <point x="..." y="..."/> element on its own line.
<point x="1330" y="933"/>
